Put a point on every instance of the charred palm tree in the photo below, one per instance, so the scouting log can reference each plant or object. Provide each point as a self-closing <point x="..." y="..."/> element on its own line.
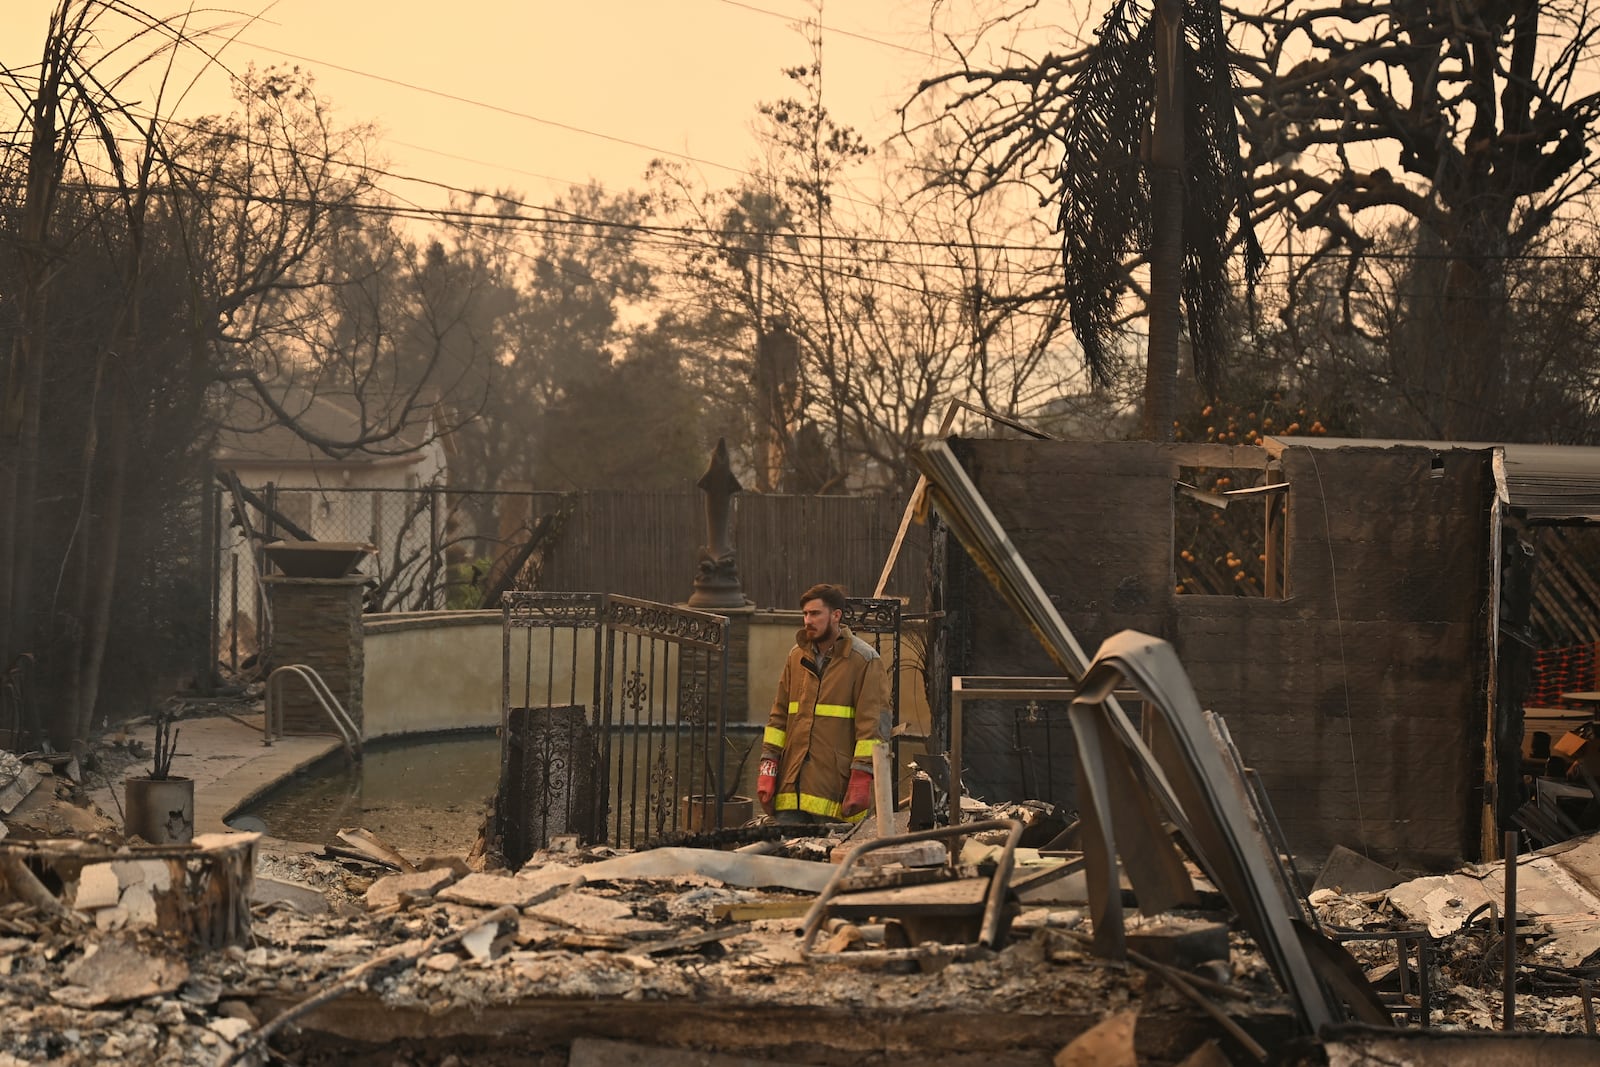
<point x="1151" y="167"/>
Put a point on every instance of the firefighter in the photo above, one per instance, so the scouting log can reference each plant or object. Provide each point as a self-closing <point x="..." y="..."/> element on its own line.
<point x="832" y="707"/>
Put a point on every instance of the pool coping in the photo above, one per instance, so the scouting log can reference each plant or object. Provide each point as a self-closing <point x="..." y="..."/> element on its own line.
<point x="229" y="763"/>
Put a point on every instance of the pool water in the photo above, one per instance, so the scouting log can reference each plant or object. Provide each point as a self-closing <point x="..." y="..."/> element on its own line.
<point x="419" y="794"/>
<point x="424" y="794"/>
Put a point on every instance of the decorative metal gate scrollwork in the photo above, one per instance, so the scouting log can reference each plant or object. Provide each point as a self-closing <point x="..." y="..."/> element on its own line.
<point x="652" y="680"/>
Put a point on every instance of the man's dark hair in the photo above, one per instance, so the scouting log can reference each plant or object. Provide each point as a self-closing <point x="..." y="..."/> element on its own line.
<point x="830" y="595"/>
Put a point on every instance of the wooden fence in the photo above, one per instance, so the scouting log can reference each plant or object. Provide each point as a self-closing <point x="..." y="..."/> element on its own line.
<point x="646" y="545"/>
<point x="443" y="548"/>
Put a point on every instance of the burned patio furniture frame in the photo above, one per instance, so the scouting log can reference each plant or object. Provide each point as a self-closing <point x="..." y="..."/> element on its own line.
<point x="994" y="897"/>
<point x="1422" y="1012"/>
<point x="653" y="681"/>
<point x="1045" y="692"/>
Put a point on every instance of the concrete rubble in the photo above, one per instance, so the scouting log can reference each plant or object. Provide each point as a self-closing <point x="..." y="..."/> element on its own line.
<point x="593" y="951"/>
<point x="627" y="935"/>
<point x="437" y="961"/>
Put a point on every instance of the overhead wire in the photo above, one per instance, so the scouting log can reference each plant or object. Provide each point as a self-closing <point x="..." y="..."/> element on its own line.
<point x="823" y="238"/>
<point x="555" y="217"/>
<point x="834" y="30"/>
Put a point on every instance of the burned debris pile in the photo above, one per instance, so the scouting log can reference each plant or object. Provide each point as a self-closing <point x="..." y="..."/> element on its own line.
<point x="234" y="950"/>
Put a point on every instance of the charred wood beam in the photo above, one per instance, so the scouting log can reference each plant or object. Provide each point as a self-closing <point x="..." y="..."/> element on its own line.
<point x="242" y="496"/>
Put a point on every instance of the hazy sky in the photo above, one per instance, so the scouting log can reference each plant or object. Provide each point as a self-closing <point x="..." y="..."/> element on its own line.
<point x="673" y="75"/>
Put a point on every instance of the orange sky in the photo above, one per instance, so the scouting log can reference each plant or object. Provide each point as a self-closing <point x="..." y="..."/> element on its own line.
<point x="674" y="75"/>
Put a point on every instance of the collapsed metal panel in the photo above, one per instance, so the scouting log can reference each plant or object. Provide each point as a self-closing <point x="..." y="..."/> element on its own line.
<point x="1192" y="786"/>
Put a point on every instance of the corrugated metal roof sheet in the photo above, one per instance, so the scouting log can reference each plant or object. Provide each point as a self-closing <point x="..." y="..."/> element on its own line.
<point x="1550" y="483"/>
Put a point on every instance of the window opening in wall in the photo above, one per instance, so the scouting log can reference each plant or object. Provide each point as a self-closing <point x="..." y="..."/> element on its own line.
<point x="1228" y="532"/>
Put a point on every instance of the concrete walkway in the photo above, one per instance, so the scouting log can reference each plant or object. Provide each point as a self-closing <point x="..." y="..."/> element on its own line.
<point x="229" y="764"/>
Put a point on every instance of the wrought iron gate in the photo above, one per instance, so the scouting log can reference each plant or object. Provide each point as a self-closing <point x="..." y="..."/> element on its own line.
<point x="652" y="680"/>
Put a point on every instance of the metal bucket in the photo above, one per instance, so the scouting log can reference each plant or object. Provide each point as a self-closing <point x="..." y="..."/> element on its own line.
<point x="699" y="812"/>
<point x="159" y="810"/>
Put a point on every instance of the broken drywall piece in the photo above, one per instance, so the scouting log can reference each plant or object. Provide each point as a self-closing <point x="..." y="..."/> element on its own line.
<point x="1109" y="1043"/>
<point x="443" y="962"/>
<point x="595" y="915"/>
<point x="98" y="887"/>
<point x="1555" y="886"/>
<point x="304" y="899"/>
<point x="731" y="868"/>
<point x="229" y="1029"/>
<point x="479" y="942"/>
<point x="1442" y="901"/>
<point x="16" y="783"/>
<point x="154" y="875"/>
<point x="123" y="892"/>
<point x="387" y="891"/>
<point x="114" y="972"/>
<point x="489" y="891"/>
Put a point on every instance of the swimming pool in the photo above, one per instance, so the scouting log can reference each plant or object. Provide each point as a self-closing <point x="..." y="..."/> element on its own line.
<point x="424" y="793"/>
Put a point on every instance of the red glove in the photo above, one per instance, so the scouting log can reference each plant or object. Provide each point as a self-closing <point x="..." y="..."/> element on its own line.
<point x="767" y="783"/>
<point x="858" y="796"/>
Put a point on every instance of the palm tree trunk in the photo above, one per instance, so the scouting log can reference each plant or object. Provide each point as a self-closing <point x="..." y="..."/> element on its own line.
<point x="1166" y="247"/>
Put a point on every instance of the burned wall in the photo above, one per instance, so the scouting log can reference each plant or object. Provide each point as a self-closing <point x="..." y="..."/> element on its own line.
<point x="1359" y="696"/>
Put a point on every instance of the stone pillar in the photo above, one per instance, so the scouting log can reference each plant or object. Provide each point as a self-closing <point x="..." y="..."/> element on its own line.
<point x="317" y="622"/>
<point x="739" y="680"/>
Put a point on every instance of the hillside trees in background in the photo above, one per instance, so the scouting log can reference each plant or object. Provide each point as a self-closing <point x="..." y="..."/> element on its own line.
<point x="299" y="272"/>
<point x="567" y="371"/>
<point x="843" y="324"/>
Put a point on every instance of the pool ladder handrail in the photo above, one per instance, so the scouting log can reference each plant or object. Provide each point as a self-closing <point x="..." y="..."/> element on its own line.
<point x="319" y="689"/>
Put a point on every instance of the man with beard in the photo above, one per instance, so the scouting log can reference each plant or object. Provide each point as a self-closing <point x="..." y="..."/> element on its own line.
<point x="832" y="707"/>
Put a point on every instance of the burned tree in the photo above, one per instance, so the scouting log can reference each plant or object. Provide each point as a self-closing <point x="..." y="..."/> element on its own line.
<point x="1136" y="139"/>
<point x="1468" y="122"/>
<point x="149" y="260"/>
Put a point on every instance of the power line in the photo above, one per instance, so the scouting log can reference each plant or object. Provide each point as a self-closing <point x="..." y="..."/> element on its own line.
<point x="836" y="31"/>
<point x="501" y="109"/>
<point x="674" y="229"/>
<point x="484" y="163"/>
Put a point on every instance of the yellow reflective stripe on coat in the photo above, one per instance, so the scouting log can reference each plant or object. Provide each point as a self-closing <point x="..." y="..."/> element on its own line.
<point x="814" y="805"/>
<point x="776" y="737"/>
<point x="864" y="749"/>
<point x="831" y="711"/>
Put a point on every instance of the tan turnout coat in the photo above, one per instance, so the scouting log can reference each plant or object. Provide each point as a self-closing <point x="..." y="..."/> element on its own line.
<point x="822" y="726"/>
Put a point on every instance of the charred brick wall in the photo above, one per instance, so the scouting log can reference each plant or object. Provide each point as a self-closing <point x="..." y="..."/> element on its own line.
<point x="1359" y="697"/>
